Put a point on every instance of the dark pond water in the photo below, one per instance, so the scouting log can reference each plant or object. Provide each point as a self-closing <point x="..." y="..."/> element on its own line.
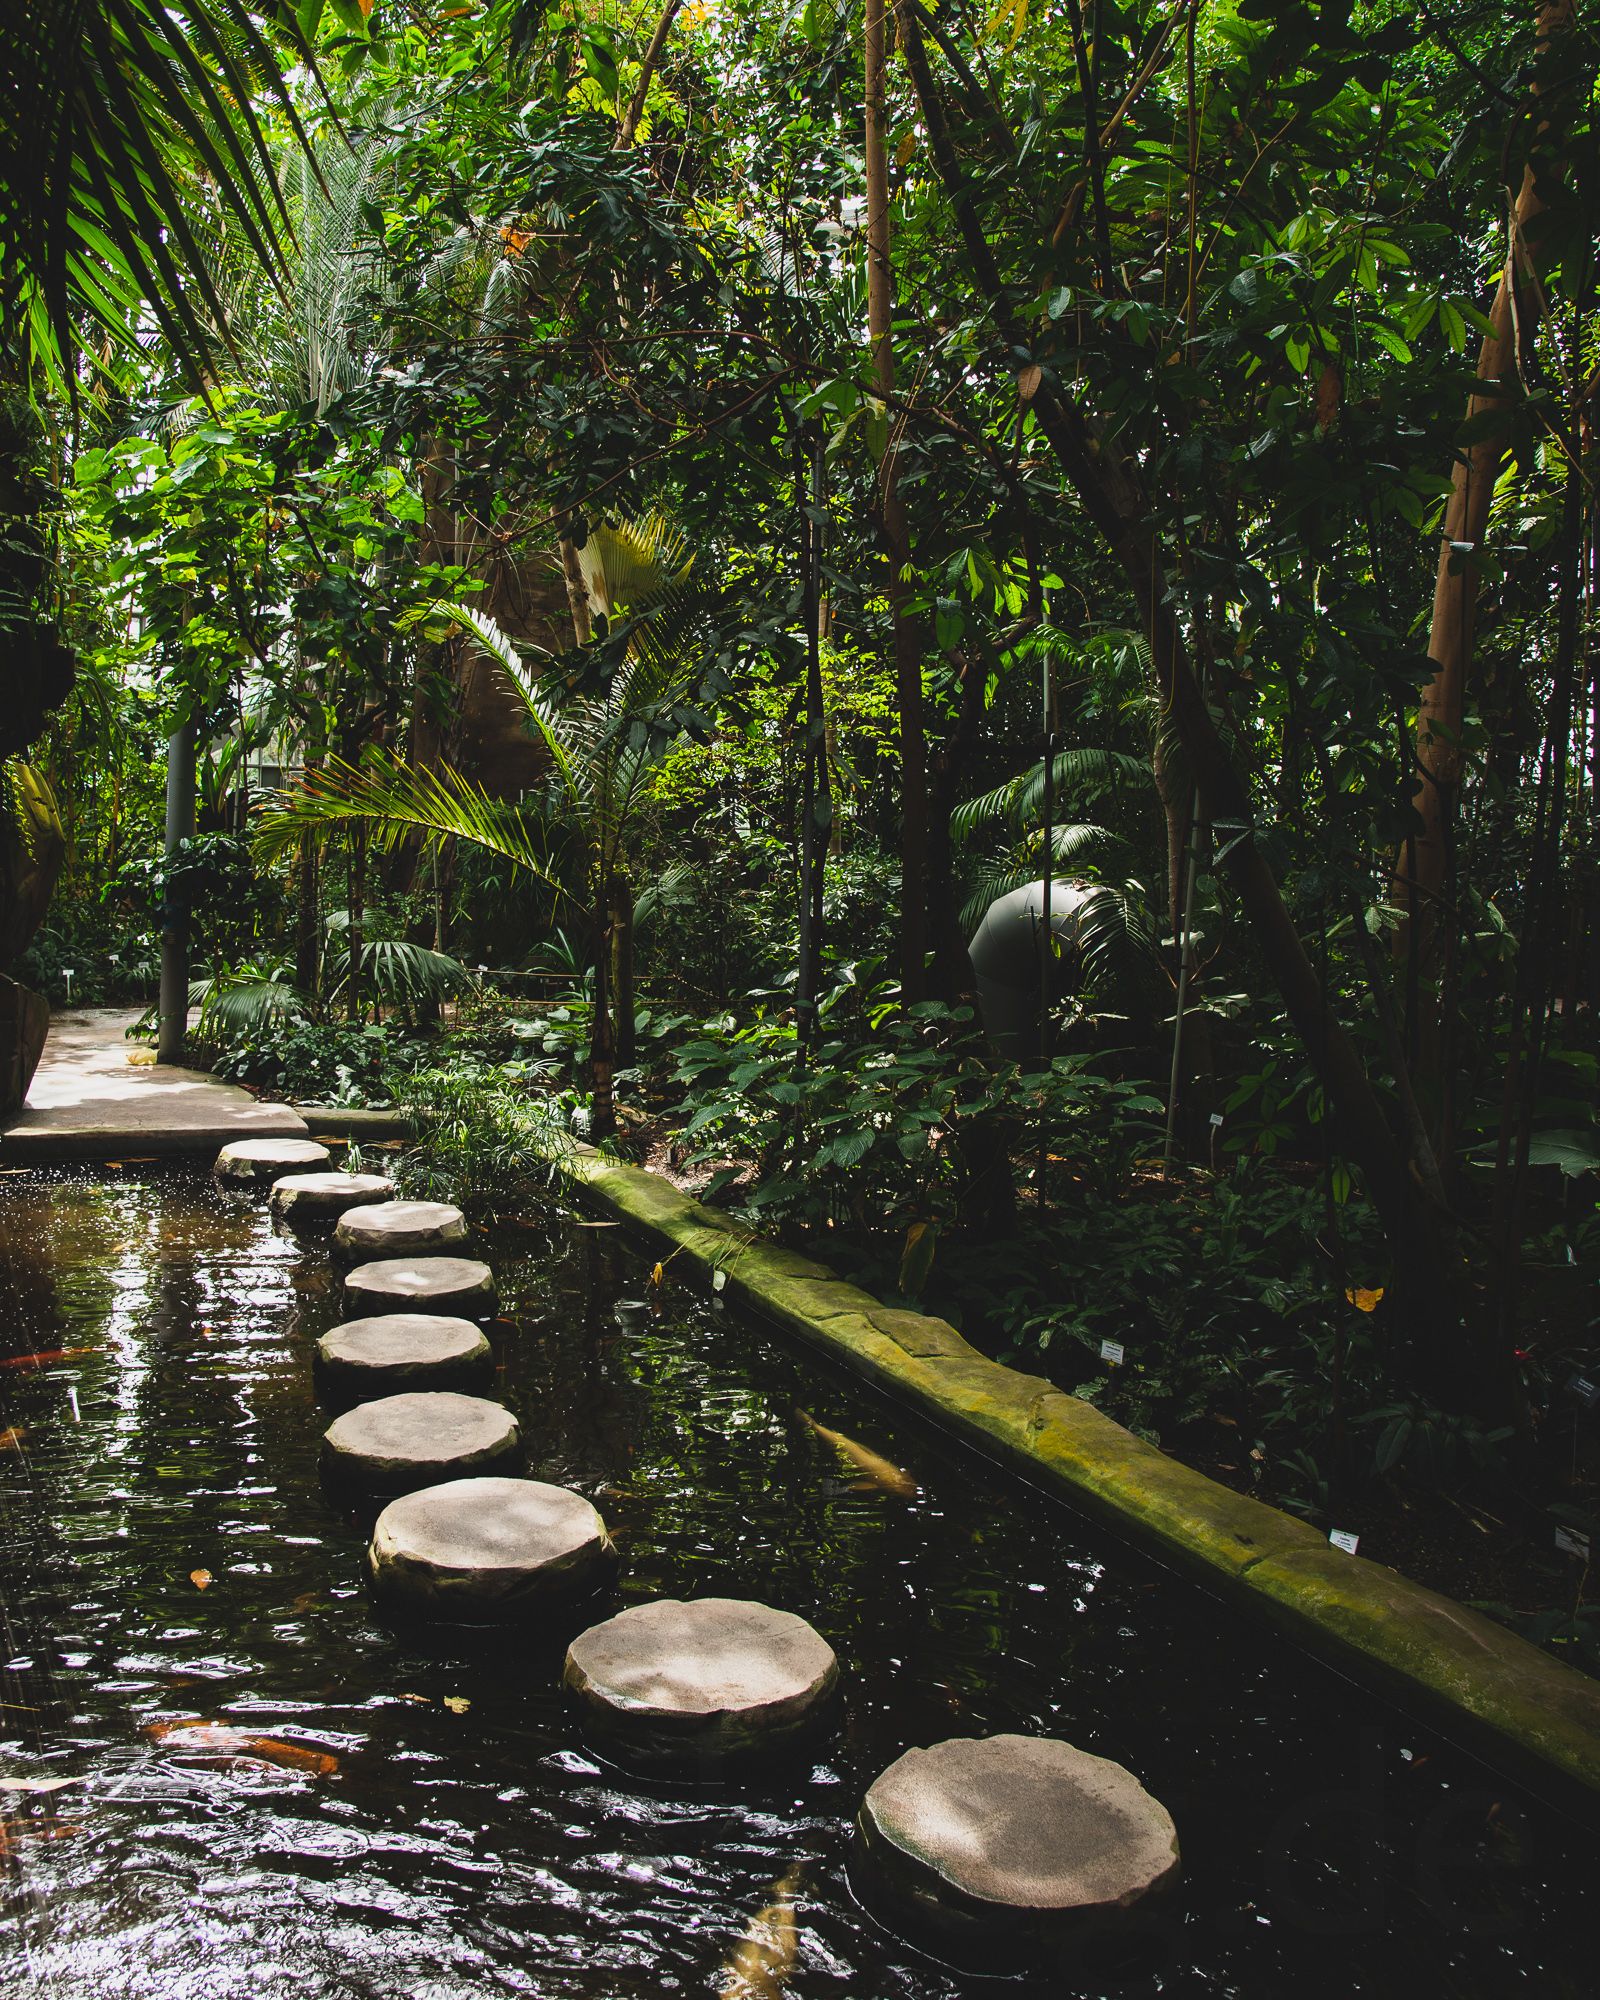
<point x="466" y="1844"/>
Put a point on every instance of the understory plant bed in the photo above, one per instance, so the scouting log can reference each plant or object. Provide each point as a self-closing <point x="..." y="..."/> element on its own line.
<point x="1221" y="1317"/>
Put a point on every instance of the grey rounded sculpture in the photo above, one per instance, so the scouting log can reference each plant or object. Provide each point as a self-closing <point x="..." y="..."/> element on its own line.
<point x="247" y="1162"/>
<point x="398" y="1443"/>
<point x="697" y="1685"/>
<point x="1009" y="963"/>
<point x="483" y="1551"/>
<point x="312" y="1198"/>
<point x="421" y="1284"/>
<point x="400" y="1229"/>
<point x="390" y="1353"/>
<point x="1014" y="1843"/>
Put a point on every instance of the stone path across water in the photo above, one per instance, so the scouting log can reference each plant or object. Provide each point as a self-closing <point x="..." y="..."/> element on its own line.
<point x="1012" y="1845"/>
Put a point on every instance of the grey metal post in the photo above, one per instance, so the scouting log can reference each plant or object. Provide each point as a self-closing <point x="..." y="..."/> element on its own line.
<point x="173" y="1006"/>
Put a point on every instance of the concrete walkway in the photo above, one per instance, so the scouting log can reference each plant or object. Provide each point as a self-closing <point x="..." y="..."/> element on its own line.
<point x="89" y="1101"/>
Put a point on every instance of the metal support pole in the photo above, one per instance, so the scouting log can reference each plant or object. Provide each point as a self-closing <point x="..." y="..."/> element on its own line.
<point x="173" y="1006"/>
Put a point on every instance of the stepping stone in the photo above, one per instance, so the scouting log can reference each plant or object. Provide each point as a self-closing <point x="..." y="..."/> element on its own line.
<point x="486" y="1550"/>
<point x="1008" y="1842"/>
<point x="301" y="1198"/>
<point x="401" y="1228"/>
<point x="694" y="1685"/>
<point x="421" y="1284"/>
<point x="246" y="1161"/>
<point x="393" y="1352"/>
<point x="402" y="1442"/>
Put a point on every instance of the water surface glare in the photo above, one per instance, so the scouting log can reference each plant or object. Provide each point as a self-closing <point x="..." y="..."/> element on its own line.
<point x="167" y="1555"/>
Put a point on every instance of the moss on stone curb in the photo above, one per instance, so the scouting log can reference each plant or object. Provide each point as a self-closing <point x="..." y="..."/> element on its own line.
<point x="1512" y="1704"/>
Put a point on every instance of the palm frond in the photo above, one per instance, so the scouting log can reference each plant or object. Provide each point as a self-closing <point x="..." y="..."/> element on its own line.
<point x="1080" y="772"/>
<point x="1072" y="847"/>
<point x="395" y="801"/>
<point x="550" y="724"/>
<point x="119" y="119"/>
<point x="671" y="890"/>
<point x="1114" y="928"/>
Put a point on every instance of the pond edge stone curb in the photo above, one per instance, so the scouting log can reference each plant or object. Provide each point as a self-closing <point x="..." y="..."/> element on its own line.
<point x="1474" y="1681"/>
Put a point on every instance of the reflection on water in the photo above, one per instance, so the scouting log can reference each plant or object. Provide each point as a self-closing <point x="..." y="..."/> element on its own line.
<point x="358" y="1816"/>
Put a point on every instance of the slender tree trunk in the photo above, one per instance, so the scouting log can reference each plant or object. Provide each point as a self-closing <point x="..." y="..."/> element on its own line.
<point x="816" y="806"/>
<point x="906" y="627"/>
<point x="1424" y="865"/>
<point x="356" y="915"/>
<point x="952" y="968"/>
<point x="628" y="123"/>
<point x="602" y="1038"/>
<point x="307" y="919"/>
<point x="622" y="961"/>
<point x="577" y="591"/>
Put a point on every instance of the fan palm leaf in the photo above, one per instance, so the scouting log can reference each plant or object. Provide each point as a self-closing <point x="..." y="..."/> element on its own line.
<point x="233" y="1005"/>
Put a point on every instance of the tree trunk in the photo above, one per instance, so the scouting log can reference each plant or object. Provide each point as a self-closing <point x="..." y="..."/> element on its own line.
<point x="577" y="591"/>
<point x="602" y="1040"/>
<point x="952" y="968"/>
<point x="622" y="962"/>
<point x="356" y="914"/>
<point x="1423" y="868"/>
<point x="307" y="919"/>
<point x="628" y="123"/>
<point x="906" y="627"/>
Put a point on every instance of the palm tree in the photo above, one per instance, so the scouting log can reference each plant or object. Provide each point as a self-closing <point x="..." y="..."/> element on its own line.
<point x="601" y="750"/>
<point x="121" y="120"/>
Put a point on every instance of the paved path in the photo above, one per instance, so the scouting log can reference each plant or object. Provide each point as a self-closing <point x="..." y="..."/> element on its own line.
<point x="90" y="1102"/>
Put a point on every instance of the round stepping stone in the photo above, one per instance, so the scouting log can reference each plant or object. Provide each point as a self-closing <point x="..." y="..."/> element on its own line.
<point x="699" y="1683"/>
<point x="399" y="1443"/>
<point x="325" y="1197"/>
<point x="248" y="1161"/>
<point x="482" y="1550"/>
<point x="1015" y="1841"/>
<point x="401" y="1228"/>
<point x="394" y="1352"/>
<point x="421" y="1284"/>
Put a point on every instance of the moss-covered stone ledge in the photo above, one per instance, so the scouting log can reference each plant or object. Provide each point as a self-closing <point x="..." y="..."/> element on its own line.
<point x="1512" y="1704"/>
